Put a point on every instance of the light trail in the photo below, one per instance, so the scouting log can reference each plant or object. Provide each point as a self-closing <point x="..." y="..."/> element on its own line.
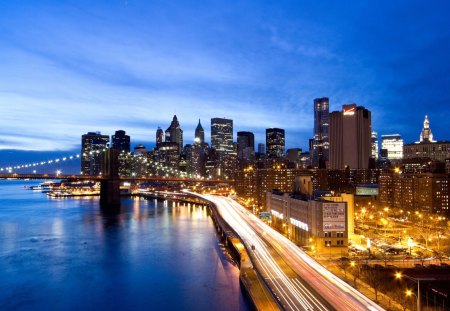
<point x="291" y="293"/>
<point x="310" y="286"/>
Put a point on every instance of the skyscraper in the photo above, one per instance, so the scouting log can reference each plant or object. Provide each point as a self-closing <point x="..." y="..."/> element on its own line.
<point x="375" y="145"/>
<point x="261" y="148"/>
<point x="320" y="151"/>
<point x="174" y="133"/>
<point x="92" y="145"/>
<point x="121" y="141"/>
<point x="394" y="145"/>
<point x="159" y="136"/>
<point x="245" y="145"/>
<point x="222" y="135"/>
<point x="275" y="143"/>
<point x="199" y="134"/>
<point x="426" y="135"/>
<point x="350" y="138"/>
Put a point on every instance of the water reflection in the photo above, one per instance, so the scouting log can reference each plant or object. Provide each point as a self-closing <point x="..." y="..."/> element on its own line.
<point x="71" y="255"/>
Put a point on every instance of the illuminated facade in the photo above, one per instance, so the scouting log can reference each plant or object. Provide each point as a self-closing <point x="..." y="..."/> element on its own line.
<point x="426" y="136"/>
<point x="275" y="143"/>
<point x="428" y="192"/>
<point x="350" y="138"/>
<point x="92" y="146"/>
<point x="252" y="183"/>
<point x="375" y="145"/>
<point x="222" y="135"/>
<point x="438" y="151"/>
<point x="427" y="148"/>
<point x="167" y="154"/>
<point x="319" y="224"/>
<point x="140" y="161"/>
<point x="320" y="147"/>
<point x="394" y="145"/>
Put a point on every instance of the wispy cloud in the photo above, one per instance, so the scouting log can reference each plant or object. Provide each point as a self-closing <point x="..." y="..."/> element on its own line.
<point x="68" y="69"/>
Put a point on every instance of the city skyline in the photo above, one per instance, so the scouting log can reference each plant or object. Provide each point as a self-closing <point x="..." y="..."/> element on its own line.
<point x="132" y="66"/>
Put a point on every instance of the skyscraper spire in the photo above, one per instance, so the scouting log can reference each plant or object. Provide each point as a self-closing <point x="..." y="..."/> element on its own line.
<point x="175" y="134"/>
<point x="199" y="134"/>
<point x="426" y="135"/>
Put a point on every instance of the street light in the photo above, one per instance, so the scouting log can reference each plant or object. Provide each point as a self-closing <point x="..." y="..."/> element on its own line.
<point x="399" y="275"/>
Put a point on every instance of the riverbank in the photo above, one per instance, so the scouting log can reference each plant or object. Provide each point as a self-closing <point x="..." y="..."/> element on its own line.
<point x="254" y="288"/>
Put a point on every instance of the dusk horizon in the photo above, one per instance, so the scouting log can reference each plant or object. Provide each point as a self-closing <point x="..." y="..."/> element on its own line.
<point x="131" y="65"/>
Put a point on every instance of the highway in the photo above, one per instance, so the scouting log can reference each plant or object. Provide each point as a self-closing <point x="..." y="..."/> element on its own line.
<point x="298" y="282"/>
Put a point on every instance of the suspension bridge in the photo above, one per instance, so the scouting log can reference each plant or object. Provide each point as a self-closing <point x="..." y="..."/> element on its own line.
<point x="109" y="177"/>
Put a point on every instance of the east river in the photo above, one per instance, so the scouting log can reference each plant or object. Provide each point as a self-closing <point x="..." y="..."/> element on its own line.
<point x="66" y="254"/>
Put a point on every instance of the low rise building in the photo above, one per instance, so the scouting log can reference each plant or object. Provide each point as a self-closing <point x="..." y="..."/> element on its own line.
<point x="323" y="224"/>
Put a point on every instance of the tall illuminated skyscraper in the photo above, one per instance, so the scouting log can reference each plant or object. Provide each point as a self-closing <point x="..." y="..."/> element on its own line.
<point x="275" y="143"/>
<point x="222" y="135"/>
<point x="92" y="145"/>
<point x="350" y="138"/>
<point x="320" y="150"/>
<point x="174" y="133"/>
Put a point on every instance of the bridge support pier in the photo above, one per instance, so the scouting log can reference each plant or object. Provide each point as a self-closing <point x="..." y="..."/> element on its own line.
<point x="110" y="185"/>
<point x="110" y="193"/>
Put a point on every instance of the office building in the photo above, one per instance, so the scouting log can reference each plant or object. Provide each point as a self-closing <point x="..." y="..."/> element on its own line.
<point x="121" y="141"/>
<point x="140" y="161"/>
<point x="375" y="145"/>
<point x="320" y="148"/>
<point x="350" y="138"/>
<point x="222" y="135"/>
<point x="427" y="148"/>
<point x="174" y="134"/>
<point x="261" y="148"/>
<point x="199" y="134"/>
<point x="393" y="144"/>
<point x="294" y="155"/>
<point x="159" y="136"/>
<point x="92" y="146"/>
<point x="168" y="154"/>
<point x="275" y="143"/>
<point x="245" y="146"/>
<point x="323" y="224"/>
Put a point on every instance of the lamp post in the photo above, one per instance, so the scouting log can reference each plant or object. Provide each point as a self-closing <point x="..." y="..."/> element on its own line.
<point x="399" y="275"/>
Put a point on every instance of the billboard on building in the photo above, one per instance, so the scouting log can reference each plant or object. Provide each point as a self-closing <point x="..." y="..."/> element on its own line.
<point x="371" y="190"/>
<point x="334" y="216"/>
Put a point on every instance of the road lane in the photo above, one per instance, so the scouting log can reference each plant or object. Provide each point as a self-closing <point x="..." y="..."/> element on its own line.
<point x="299" y="282"/>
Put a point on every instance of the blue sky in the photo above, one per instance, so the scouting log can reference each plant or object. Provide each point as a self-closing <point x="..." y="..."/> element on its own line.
<point x="69" y="67"/>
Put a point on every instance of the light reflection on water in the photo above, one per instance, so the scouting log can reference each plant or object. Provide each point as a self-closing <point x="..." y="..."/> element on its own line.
<point x="66" y="254"/>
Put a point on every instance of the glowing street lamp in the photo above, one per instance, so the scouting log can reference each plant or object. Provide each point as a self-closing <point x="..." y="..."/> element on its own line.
<point x="409" y="292"/>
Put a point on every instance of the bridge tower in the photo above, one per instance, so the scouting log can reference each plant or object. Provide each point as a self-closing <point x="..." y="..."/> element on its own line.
<point x="110" y="184"/>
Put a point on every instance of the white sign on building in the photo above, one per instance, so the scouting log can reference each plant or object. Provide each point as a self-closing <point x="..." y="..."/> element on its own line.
<point x="333" y="216"/>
